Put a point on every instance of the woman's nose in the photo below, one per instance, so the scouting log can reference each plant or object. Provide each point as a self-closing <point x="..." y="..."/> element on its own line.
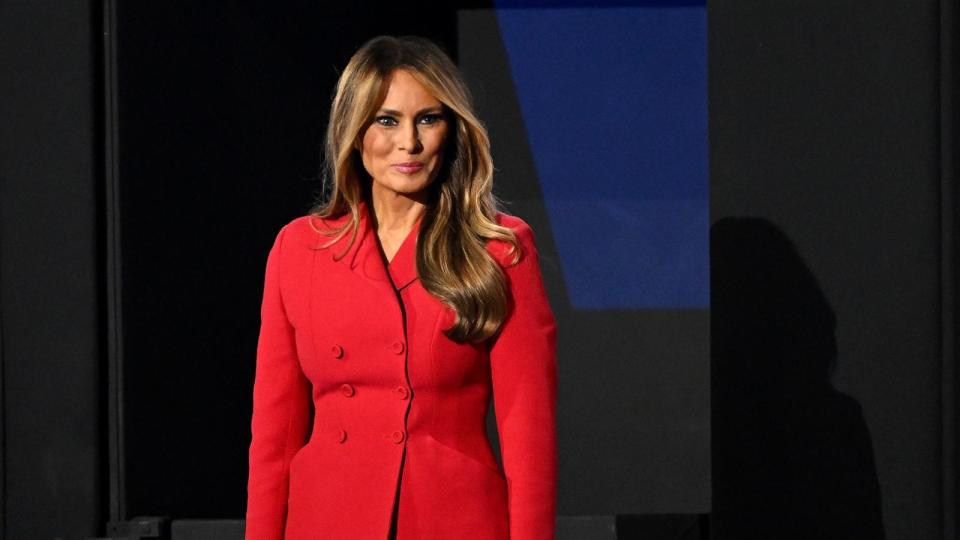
<point x="410" y="139"/>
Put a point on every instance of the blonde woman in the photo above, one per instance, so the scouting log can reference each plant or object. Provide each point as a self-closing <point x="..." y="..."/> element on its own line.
<point x="391" y="314"/>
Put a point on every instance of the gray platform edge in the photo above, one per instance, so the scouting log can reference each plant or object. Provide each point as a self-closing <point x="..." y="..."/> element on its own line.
<point x="568" y="528"/>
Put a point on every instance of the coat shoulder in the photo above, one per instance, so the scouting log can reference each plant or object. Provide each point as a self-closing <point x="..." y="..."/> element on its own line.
<point x="510" y="220"/>
<point x="308" y="230"/>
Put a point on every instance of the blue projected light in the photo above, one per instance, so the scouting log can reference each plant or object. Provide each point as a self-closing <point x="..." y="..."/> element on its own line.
<point x="615" y="106"/>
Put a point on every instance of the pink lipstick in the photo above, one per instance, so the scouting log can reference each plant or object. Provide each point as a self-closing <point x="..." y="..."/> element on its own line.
<point x="409" y="167"/>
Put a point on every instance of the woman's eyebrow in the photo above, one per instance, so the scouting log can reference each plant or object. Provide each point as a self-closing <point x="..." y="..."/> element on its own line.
<point x="436" y="108"/>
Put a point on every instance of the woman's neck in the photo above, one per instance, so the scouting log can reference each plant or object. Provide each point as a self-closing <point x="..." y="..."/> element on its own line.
<point x="394" y="213"/>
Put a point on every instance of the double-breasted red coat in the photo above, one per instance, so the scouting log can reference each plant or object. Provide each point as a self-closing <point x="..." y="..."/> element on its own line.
<point x="363" y="407"/>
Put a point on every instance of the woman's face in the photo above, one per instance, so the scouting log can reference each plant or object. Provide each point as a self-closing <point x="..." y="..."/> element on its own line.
<point x="403" y="148"/>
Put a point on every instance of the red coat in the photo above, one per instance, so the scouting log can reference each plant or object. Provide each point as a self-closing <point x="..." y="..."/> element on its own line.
<point x="359" y="342"/>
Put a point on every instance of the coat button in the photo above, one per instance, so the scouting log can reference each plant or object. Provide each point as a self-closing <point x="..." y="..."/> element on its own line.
<point x="397" y="347"/>
<point x="341" y="435"/>
<point x="346" y="389"/>
<point x="336" y="351"/>
<point x="403" y="392"/>
<point x="397" y="437"/>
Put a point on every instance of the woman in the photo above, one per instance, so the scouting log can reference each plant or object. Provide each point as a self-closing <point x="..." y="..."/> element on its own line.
<point x="390" y="315"/>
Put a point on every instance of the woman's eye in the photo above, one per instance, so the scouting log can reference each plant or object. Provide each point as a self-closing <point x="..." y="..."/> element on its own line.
<point x="426" y="119"/>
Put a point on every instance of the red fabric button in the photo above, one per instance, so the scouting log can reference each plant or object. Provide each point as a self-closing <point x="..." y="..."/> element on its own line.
<point x="341" y="435"/>
<point x="397" y="437"/>
<point x="346" y="389"/>
<point x="397" y="347"/>
<point x="403" y="392"/>
<point x="336" y="351"/>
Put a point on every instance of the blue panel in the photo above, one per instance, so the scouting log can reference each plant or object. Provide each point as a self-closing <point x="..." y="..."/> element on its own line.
<point x="615" y="106"/>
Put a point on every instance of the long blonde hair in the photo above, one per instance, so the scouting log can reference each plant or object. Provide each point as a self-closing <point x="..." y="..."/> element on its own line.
<point x="452" y="260"/>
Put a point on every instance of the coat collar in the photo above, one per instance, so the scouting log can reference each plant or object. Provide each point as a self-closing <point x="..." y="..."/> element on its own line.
<point x="366" y="258"/>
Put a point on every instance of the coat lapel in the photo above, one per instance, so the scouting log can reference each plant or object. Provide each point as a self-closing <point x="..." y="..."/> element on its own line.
<point x="366" y="259"/>
<point x="403" y="266"/>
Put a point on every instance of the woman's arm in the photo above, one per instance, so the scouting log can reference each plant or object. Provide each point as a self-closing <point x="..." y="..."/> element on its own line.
<point x="524" y="376"/>
<point x="281" y="408"/>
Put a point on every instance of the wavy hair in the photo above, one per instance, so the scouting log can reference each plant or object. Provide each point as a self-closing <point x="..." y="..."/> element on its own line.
<point x="453" y="263"/>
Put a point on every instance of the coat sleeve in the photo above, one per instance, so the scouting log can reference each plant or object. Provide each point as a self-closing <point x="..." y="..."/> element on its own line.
<point x="524" y="378"/>
<point x="281" y="407"/>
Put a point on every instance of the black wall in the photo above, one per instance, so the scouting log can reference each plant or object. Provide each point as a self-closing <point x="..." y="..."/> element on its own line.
<point x="825" y="129"/>
<point x="51" y="360"/>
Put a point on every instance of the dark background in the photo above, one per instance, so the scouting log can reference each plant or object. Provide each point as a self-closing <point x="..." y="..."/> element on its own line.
<point x="833" y="248"/>
<point x="227" y="104"/>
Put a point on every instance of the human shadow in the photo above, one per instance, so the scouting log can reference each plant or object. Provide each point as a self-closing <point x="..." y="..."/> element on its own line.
<point x="792" y="456"/>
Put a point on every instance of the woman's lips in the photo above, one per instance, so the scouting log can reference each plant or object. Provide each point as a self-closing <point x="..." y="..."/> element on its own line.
<point x="408" y="168"/>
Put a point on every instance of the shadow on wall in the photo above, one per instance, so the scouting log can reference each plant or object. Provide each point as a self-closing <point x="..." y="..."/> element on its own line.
<point x="792" y="456"/>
